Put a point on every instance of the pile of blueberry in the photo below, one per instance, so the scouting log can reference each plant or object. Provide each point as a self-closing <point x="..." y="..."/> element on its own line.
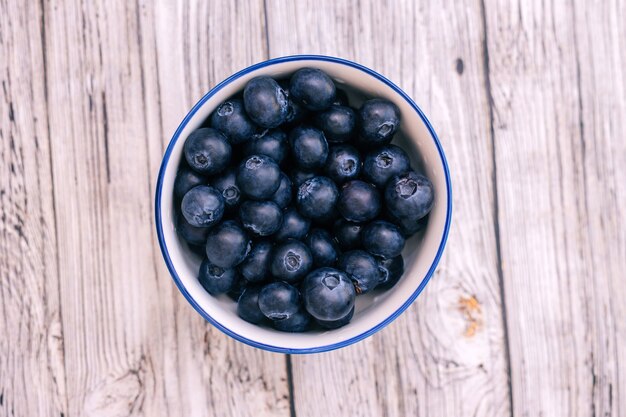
<point x="298" y="202"/>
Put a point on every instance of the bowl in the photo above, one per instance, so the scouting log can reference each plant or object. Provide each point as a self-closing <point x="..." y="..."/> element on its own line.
<point x="373" y="310"/>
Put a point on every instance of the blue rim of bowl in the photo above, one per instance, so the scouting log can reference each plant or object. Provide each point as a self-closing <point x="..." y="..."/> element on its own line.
<point x="159" y="224"/>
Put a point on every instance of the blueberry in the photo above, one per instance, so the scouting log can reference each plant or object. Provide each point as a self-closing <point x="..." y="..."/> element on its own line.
<point x="335" y="324"/>
<point x="378" y="121"/>
<point x="323" y="248"/>
<point x="409" y="197"/>
<point x="279" y="300"/>
<point x="226" y="184"/>
<point x="317" y="197"/>
<point x="408" y="226"/>
<point x="238" y="289"/>
<point x="298" y="322"/>
<point x="341" y="98"/>
<point x="291" y="261"/>
<point x="272" y="143"/>
<point x="362" y="269"/>
<point x="262" y="218"/>
<point x="197" y="249"/>
<point x="186" y="179"/>
<point x="294" y="226"/>
<point x="383" y="239"/>
<point x="258" y="177"/>
<point x="207" y="151"/>
<point x="296" y="112"/>
<point x="298" y="176"/>
<point x="227" y="245"/>
<point x="283" y="194"/>
<point x="337" y="122"/>
<point x="231" y="119"/>
<point x="382" y="164"/>
<point x="265" y="102"/>
<point x="328" y="294"/>
<point x="359" y="201"/>
<point x="343" y="163"/>
<point x="348" y="234"/>
<point x="255" y="268"/>
<point x="248" y="305"/>
<point x="216" y="280"/>
<point x="309" y="147"/>
<point x="391" y="271"/>
<point x="202" y="206"/>
<point x="192" y="235"/>
<point x="313" y="88"/>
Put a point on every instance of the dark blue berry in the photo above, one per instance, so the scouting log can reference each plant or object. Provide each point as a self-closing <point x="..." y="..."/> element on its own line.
<point x="317" y="197"/>
<point x="255" y="268"/>
<point x="283" y="194"/>
<point x="192" y="235"/>
<point x="227" y="244"/>
<point x="279" y="300"/>
<point x="313" y="88"/>
<point x="343" y="163"/>
<point x="298" y="322"/>
<point x="335" y="324"/>
<point x="216" y="280"/>
<point x="408" y="226"/>
<point x="341" y="98"/>
<point x="323" y="248"/>
<point x="391" y="271"/>
<point x="202" y="206"/>
<point x="238" y="288"/>
<point x="226" y="184"/>
<point x="362" y="269"/>
<point x="296" y="113"/>
<point x="409" y="197"/>
<point x="291" y="261"/>
<point x="348" y="234"/>
<point x="197" y="249"/>
<point x="378" y="121"/>
<point x="359" y="201"/>
<point x="258" y="177"/>
<point x="383" y="239"/>
<point x="265" y="102"/>
<point x="248" y="305"/>
<point x="262" y="218"/>
<point x="299" y="176"/>
<point x="207" y="151"/>
<point x="272" y="143"/>
<point x="186" y="179"/>
<point x="231" y="119"/>
<point x="382" y="164"/>
<point x="294" y="226"/>
<point x="337" y="122"/>
<point x="328" y="294"/>
<point x="309" y="147"/>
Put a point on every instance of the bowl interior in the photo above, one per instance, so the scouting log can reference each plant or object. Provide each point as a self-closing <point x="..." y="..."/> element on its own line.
<point x="373" y="310"/>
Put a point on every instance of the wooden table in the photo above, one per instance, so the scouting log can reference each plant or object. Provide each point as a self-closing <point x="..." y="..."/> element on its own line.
<point x="526" y="315"/>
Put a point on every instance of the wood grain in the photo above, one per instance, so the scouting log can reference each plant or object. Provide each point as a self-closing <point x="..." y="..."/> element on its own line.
<point x="32" y="367"/>
<point x="524" y="316"/>
<point x="446" y="355"/>
<point x="134" y="346"/>
<point x="559" y="154"/>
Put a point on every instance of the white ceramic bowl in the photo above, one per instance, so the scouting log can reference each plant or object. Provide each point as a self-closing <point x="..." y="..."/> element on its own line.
<point x="421" y="254"/>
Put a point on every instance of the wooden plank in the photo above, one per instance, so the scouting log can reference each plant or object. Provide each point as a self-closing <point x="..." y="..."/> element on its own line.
<point x="558" y="103"/>
<point x="32" y="374"/>
<point x="600" y="29"/>
<point x="120" y="77"/>
<point x="432" y="360"/>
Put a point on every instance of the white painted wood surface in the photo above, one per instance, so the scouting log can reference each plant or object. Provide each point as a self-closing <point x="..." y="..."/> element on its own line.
<point x="525" y="316"/>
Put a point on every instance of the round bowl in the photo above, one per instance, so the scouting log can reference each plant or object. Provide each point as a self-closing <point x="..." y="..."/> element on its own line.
<point x="373" y="310"/>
